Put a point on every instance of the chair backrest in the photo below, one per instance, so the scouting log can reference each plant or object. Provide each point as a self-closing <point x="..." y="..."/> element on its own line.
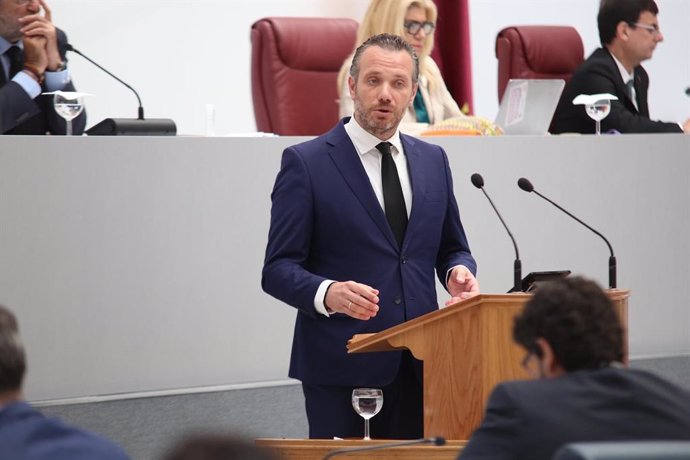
<point x="537" y="52"/>
<point x="295" y="65"/>
<point x="625" y="450"/>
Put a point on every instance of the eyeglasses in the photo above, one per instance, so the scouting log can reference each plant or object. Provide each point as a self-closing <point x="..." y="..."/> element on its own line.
<point x="651" y="28"/>
<point x="413" y="27"/>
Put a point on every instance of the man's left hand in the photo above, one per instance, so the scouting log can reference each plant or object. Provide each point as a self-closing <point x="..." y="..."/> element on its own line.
<point x="462" y="285"/>
<point x="41" y="25"/>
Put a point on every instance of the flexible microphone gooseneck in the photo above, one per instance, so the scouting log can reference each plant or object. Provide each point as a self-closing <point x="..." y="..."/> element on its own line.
<point x="71" y="48"/>
<point x="527" y="186"/>
<point x="478" y="181"/>
<point x="128" y="126"/>
<point x="435" y="441"/>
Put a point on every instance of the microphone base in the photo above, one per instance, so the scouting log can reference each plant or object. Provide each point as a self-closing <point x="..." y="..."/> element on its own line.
<point x="134" y="127"/>
<point x="533" y="279"/>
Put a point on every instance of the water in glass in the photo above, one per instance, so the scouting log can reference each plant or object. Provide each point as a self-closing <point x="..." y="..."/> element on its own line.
<point x="598" y="111"/>
<point x="367" y="402"/>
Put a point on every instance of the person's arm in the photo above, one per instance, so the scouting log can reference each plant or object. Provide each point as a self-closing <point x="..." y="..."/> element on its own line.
<point x="57" y="77"/>
<point x="620" y="117"/>
<point x="440" y="94"/>
<point x="454" y="249"/>
<point x="497" y="437"/>
<point x="284" y="274"/>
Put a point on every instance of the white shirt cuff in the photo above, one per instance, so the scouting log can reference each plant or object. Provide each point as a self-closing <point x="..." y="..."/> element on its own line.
<point x="320" y="297"/>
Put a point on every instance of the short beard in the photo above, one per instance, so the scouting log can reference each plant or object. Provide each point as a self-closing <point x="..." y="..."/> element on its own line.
<point x="371" y="127"/>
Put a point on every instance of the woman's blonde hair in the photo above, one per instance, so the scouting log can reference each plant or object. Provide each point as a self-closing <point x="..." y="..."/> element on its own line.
<point x="388" y="16"/>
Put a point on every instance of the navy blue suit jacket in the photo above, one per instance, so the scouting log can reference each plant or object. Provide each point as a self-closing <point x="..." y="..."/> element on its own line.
<point x="326" y="223"/>
<point x="26" y="434"/>
<point x="600" y="74"/>
<point x="19" y="114"/>
<point x="533" y="419"/>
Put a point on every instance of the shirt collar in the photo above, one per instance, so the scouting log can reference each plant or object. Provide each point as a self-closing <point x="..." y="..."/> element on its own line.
<point x="365" y="142"/>
<point x="624" y="73"/>
<point x="5" y="45"/>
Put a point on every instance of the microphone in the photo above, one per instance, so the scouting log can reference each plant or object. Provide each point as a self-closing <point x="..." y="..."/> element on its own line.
<point x="687" y="91"/>
<point x="527" y="186"/>
<point x="478" y="181"/>
<point x="438" y="441"/>
<point x="126" y="126"/>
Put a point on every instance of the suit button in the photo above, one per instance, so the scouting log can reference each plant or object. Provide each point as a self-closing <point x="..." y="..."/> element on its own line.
<point x="397" y="300"/>
<point x="403" y="260"/>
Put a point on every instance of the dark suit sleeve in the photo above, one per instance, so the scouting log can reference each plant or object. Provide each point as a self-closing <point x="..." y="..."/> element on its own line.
<point x="621" y="118"/>
<point x="454" y="248"/>
<point x="285" y="275"/>
<point x="15" y="106"/>
<point x="498" y="436"/>
<point x="35" y="116"/>
<point x="599" y="74"/>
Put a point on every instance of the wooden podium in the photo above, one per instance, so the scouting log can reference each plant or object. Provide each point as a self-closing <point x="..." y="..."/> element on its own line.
<point x="467" y="349"/>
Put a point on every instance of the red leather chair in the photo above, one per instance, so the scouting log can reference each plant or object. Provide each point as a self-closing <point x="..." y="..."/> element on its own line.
<point x="537" y="52"/>
<point x="295" y="65"/>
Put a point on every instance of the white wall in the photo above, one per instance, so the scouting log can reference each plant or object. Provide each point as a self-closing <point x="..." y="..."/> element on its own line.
<point x="183" y="54"/>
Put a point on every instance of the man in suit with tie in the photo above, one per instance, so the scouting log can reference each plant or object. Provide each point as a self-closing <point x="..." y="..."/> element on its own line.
<point x="629" y="32"/>
<point x="573" y="341"/>
<point x="32" y="61"/>
<point x="362" y="216"/>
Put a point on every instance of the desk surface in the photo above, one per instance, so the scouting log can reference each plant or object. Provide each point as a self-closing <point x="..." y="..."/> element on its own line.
<point x="316" y="449"/>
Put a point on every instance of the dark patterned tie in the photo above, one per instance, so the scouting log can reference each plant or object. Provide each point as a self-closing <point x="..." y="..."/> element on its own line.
<point x="16" y="56"/>
<point x="630" y="89"/>
<point x="393" y="199"/>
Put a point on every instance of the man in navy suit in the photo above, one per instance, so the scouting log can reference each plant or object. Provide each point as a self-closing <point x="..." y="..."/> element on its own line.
<point x="629" y="32"/>
<point x="25" y="433"/>
<point x="350" y="267"/>
<point x="39" y="67"/>
<point x="574" y="346"/>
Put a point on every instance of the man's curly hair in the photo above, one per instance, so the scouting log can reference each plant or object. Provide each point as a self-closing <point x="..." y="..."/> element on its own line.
<point x="576" y="317"/>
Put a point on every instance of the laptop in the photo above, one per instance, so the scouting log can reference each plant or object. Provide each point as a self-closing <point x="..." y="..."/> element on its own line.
<point x="528" y="105"/>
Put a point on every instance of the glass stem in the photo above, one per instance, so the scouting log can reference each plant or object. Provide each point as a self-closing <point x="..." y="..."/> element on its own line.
<point x="598" y="127"/>
<point x="366" y="429"/>
<point x="68" y="125"/>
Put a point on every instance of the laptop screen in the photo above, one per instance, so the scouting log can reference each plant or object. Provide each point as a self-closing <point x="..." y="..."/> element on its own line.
<point x="528" y="105"/>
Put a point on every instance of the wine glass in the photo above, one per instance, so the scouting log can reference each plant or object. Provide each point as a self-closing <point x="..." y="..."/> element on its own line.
<point x="68" y="105"/>
<point x="597" y="111"/>
<point x="367" y="402"/>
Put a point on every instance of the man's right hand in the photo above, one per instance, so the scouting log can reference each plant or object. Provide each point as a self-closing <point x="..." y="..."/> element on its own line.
<point x="353" y="299"/>
<point x="35" y="52"/>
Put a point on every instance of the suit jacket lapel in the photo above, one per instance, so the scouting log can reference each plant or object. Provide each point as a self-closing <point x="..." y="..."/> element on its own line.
<point x="415" y="168"/>
<point x="344" y="155"/>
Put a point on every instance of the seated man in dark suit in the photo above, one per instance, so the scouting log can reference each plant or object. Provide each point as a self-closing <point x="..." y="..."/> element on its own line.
<point x="629" y="32"/>
<point x="574" y="344"/>
<point x="32" y="61"/>
<point x="25" y="433"/>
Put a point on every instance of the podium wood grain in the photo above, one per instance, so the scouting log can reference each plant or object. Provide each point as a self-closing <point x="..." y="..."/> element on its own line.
<point x="467" y="349"/>
<point x="313" y="449"/>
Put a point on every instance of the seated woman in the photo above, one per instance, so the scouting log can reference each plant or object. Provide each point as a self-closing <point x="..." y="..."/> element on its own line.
<point x="414" y="20"/>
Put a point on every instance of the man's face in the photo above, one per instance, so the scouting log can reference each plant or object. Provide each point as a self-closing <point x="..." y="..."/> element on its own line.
<point x="643" y="37"/>
<point x="383" y="90"/>
<point x="10" y="12"/>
